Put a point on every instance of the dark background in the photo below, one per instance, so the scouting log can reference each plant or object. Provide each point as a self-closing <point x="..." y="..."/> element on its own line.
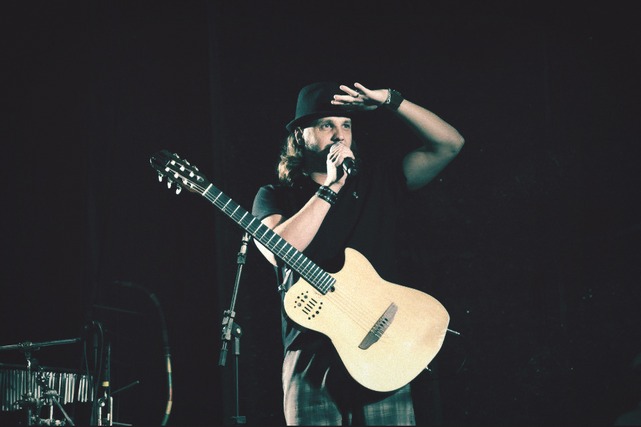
<point x="530" y="237"/>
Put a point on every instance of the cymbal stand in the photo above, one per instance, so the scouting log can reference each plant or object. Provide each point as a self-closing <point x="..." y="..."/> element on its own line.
<point x="51" y="399"/>
<point x="28" y="401"/>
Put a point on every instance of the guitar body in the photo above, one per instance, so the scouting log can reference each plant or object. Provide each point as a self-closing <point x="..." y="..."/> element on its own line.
<point x="385" y="334"/>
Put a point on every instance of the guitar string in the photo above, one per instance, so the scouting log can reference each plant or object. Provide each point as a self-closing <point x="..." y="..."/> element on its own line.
<point x="370" y="319"/>
<point x="363" y="318"/>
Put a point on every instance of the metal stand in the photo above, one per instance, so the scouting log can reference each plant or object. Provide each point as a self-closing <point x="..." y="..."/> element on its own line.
<point x="102" y="411"/>
<point x="50" y="398"/>
<point x="231" y="328"/>
<point x="102" y="408"/>
<point x="29" y="403"/>
<point x="106" y="402"/>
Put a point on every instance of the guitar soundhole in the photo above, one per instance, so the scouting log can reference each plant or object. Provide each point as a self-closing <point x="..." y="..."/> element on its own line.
<point x="308" y="305"/>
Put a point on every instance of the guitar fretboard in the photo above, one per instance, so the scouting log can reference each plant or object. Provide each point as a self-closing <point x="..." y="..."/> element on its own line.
<point x="311" y="272"/>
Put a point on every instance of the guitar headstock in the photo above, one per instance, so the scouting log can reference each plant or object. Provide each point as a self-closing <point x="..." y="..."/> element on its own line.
<point x="179" y="172"/>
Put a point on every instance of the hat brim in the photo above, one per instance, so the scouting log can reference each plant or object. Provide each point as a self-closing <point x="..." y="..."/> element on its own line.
<point x="304" y="120"/>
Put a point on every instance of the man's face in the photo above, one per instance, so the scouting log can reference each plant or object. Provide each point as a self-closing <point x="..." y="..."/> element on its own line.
<point x="324" y="132"/>
<point x="321" y="134"/>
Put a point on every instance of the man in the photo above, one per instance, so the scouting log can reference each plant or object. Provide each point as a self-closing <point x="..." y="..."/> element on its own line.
<point x="325" y="202"/>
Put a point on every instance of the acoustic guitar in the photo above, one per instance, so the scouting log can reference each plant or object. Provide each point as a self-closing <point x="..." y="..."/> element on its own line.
<point x="385" y="334"/>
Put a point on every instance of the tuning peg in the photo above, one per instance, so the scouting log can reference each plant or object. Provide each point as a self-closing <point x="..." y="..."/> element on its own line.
<point x="159" y="178"/>
<point x="168" y="184"/>
<point x="178" y="189"/>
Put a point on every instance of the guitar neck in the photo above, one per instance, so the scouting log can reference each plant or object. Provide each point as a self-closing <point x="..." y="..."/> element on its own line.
<point x="311" y="272"/>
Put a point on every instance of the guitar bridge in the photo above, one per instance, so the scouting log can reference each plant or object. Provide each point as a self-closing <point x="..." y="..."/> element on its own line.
<point x="379" y="327"/>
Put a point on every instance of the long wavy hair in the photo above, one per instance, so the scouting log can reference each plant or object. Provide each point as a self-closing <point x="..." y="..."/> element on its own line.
<point x="290" y="167"/>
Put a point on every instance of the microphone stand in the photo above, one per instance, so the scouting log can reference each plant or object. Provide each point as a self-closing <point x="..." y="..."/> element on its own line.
<point x="106" y="403"/>
<point x="231" y="328"/>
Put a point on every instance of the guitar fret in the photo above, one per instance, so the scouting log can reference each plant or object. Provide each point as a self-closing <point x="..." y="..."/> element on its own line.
<point x="225" y="205"/>
<point x="242" y="218"/>
<point x="302" y="265"/>
<point x="328" y="282"/>
<point x="322" y="280"/>
<point x="271" y="237"/>
<point x="288" y="251"/>
<point x="317" y="274"/>
<point x="262" y="237"/>
<point x="215" y="198"/>
<point x="207" y="189"/>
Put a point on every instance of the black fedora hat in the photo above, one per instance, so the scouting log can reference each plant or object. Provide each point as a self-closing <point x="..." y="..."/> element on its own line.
<point x="314" y="101"/>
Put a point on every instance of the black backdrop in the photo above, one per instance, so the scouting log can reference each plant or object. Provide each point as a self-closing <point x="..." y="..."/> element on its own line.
<point x="530" y="238"/>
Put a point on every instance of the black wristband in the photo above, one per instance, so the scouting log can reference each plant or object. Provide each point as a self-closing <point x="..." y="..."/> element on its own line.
<point x="394" y="99"/>
<point x="327" y="194"/>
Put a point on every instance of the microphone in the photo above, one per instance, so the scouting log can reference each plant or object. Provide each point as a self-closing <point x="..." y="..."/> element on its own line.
<point x="349" y="166"/>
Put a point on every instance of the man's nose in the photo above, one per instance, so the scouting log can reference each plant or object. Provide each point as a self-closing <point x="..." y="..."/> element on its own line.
<point x="339" y="134"/>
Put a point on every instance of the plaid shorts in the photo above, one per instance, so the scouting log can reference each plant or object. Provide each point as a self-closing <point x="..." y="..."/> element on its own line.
<point x="318" y="391"/>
